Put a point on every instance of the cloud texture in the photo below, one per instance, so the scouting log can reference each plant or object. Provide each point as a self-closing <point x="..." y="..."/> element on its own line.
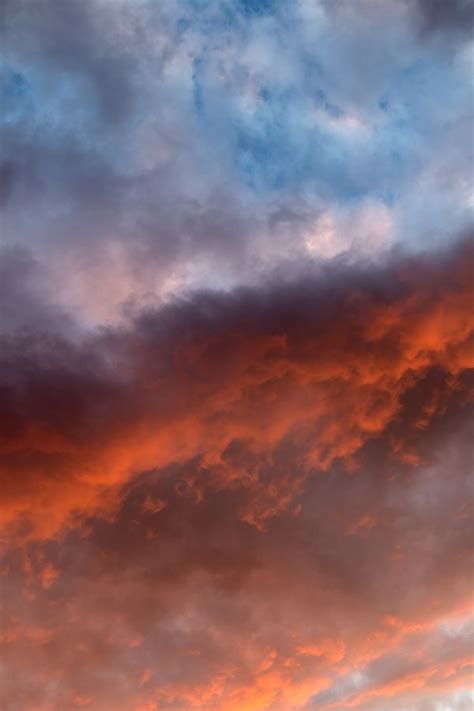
<point x="232" y="487"/>
<point x="162" y="146"/>
<point x="236" y="355"/>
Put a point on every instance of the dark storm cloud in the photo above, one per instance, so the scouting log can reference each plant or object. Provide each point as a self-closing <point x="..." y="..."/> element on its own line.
<point x="454" y="16"/>
<point x="240" y="500"/>
<point x="323" y="365"/>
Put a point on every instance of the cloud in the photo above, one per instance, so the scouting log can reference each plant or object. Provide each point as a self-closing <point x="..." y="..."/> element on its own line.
<point x="236" y="355"/>
<point x="454" y="17"/>
<point x="237" y="383"/>
<point x="177" y="603"/>
<point x="159" y="148"/>
<point x="241" y="500"/>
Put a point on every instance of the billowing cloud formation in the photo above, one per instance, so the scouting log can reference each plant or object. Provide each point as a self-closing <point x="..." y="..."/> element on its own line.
<point x="170" y="145"/>
<point x="359" y="598"/>
<point x="254" y="500"/>
<point x="236" y="351"/>
<point x="236" y="382"/>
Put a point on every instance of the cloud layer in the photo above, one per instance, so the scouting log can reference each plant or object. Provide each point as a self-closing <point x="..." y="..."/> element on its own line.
<point x="245" y="501"/>
<point x="162" y="147"/>
<point x="236" y="355"/>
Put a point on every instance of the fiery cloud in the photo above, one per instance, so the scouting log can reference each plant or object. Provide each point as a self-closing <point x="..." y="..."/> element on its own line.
<point x="236" y="355"/>
<point x="239" y="500"/>
<point x="240" y="385"/>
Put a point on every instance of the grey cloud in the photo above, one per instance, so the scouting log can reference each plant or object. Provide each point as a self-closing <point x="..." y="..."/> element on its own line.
<point x="454" y="16"/>
<point x="108" y="146"/>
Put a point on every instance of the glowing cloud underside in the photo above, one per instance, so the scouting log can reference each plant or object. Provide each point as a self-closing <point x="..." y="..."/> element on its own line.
<point x="236" y="356"/>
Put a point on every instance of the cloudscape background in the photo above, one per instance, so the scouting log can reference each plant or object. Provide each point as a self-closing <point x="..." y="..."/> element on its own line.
<point x="236" y="324"/>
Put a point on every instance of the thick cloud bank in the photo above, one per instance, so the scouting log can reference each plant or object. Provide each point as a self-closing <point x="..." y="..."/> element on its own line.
<point x="254" y="500"/>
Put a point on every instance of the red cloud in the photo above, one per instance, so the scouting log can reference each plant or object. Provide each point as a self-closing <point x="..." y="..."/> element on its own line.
<point x="253" y="501"/>
<point x="237" y="382"/>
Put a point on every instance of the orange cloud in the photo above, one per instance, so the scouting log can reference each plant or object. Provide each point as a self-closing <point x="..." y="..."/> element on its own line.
<point x="253" y="501"/>
<point x="231" y="381"/>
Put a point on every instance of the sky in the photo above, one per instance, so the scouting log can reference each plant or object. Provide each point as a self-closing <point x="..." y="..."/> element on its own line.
<point x="236" y="326"/>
